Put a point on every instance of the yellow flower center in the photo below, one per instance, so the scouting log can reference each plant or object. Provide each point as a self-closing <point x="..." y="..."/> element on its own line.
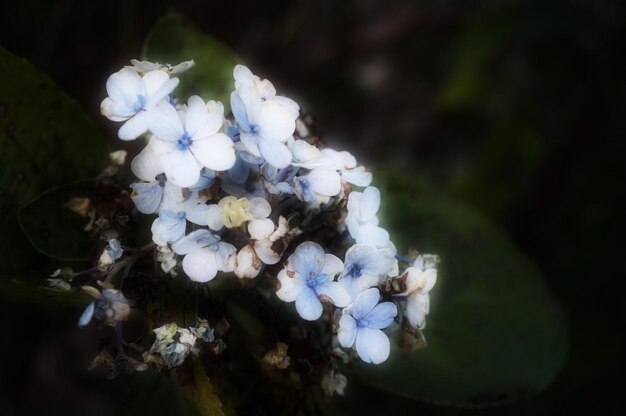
<point x="235" y="211"/>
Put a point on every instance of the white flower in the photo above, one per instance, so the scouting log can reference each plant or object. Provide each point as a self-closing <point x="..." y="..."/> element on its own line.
<point x="232" y="212"/>
<point x="166" y="256"/>
<point x="265" y="120"/>
<point x="132" y="98"/>
<point x="111" y="253"/>
<point x="420" y="279"/>
<point x="172" y="220"/>
<point x="365" y="266"/>
<point x="361" y="323"/>
<point x="190" y="140"/>
<point x="362" y="221"/>
<point x="205" y="255"/>
<point x="308" y="279"/>
<point x="248" y="264"/>
<point x="156" y="190"/>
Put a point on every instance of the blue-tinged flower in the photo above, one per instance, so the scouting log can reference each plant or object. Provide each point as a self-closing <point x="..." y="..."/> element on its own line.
<point x="365" y="267"/>
<point x="110" y="306"/>
<point x="156" y="190"/>
<point x="173" y="217"/>
<point x="207" y="179"/>
<point x="265" y="120"/>
<point x="307" y="279"/>
<point x="317" y="186"/>
<point x="132" y="98"/>
<point x="205" y="255"/>
<point x="190" y="140"/>
<point x="362" y="220"/>
<point x="345" y="163"/>
<point x="361" y="324"/>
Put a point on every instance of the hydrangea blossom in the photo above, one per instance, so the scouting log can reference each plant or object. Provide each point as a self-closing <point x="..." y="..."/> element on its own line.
<point x="191" y="139"/>
<point x="132" y="99"/>
<point x="308" y="279"/>
<point x="362" y="220"/>
<point x="252" y="197"/>
<point x="361" y="324"/>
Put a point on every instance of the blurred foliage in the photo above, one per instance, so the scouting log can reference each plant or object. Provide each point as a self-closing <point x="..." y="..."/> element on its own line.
<point x="46" y="140"/>
<point x="496" y="334"/>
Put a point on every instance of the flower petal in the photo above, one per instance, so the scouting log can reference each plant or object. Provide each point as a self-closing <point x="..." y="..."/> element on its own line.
<point x="372" y="234"/>
<point x="134" y="127"/>
<point x="215" y="217"/>
<point x="370" y="202"/>
<point x="260" y="229"/>
<point x="200" y="265"/>
<point x="125" y="85"/>
<point x="215" y="152"/>
<point x="372" y="345"/>
<point x="274" y="152"/>
<point x="332" y="265"/>
<point x="308" y="259"/>
<point x="260" y="208"/>
<point x="333" y="292"/>
<point x="417" y="306"/>
<point x="364" y="303"/>
<point x="181" y="167"/>
<point x="147" y="196"/>
<point x="290" y="286"/>
<point x="147" y="165"/>
<point x="165" y="122"/>
<point x="248" y="264"/>
<point x="325" y="181"/>
<point x="382" y="315"/>
<point x="347" y="331"/>
<point x="308" y="305"/>
<point x="275" y="121"/>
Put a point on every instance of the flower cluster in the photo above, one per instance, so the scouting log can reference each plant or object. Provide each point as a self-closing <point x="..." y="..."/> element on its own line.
<point x="257" y="195"/>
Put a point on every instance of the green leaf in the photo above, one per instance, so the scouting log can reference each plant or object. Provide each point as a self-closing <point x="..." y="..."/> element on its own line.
<point x="53" y="228"/>
<point x="16" y="291"/>
<point x="173" y="40"/>
<point x="495" y="333"/>
<point x="202" y="393"/>
<point x="46" y="140"/>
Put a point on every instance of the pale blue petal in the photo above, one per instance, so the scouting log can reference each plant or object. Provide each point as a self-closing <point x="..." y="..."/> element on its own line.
<point x="274" y="152"/>
<point x="334" y="292"/>
<point x="239" y="111"/>
<point x="308" y="305"/>
<point x="372" y="345"/>
<point x="381" y="316"/>
<point x="308" y="259"/>
<point x="85" y="318"/>
<point x="347" y="331"/>
<point x="239" y="172"/>
<point x="147" y="196"/>
<point x="364" y="303"/>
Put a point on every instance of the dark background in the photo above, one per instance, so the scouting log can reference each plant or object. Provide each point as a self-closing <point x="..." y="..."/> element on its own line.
<point x="515" y="108"/>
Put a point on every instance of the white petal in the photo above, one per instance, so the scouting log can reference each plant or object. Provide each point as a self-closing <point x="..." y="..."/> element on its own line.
<point x="251" y="100"/>
<point x="203" y="120"/>
<point x="226" y="256"/>
<point x="200" y="265"/>
<point x="308" y="305"/>
<point x="347" y="331"/>
<point x="332" y="265"/>
<point x="381" y="316"/>
<point x="364" y="303"/>
<point x="304" y="152"/>
<point x="215" y="217"/>
<point x="370" y="202"/>
<point x="215" y="152"/>
<point x="197" y="213"/>
<point x="325" y="181"/>
<point x="87" y="314"/>
<point x="288" y="104"/>
<point x="420" y="281"/>
<point x="242" y="75"/>
<point x="290" y="286"/>
<point x="372" y="345"/>
<point x="372" y="234"/>
<point x="125" y="85"/>
<point x="275" y="121"/>
<point x="116" y="110"/>
<point x="134" y="127"/>
<point x="147" y="165"/>
<point x="248" y="264"/>
<point x="163" y="92"/>
<point x="165" y="122"/>
<point x="417" y="306"/>
<point x="251" y="144"/>
<point x="260" y="208"/>
<point x="260" y="229"/>
<point x="194" y="240"/>
<point x="181" y="167"/>
<point x="355" y="286"/>
<point x="154" y="80"/>
<point x="167" y="228"/>
<point x="333" y="292"/>
<point x="267" y="250"/>
<point x="357" y="177"/>
<point x="274" y="152"/>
